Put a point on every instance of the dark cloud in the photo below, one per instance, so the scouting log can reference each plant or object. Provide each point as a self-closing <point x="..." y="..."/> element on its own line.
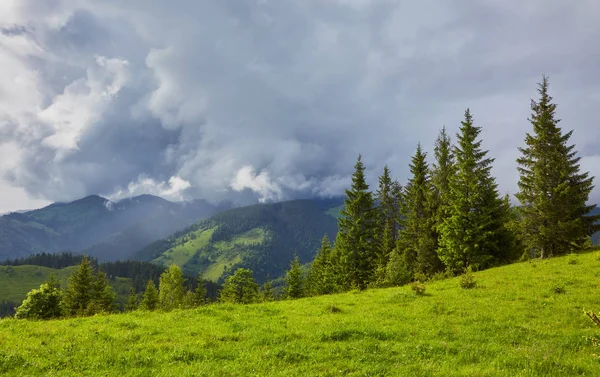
<point x="275" y="99"/>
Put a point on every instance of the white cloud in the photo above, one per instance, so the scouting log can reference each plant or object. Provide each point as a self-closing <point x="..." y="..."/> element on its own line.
<point x="174" y="189"/>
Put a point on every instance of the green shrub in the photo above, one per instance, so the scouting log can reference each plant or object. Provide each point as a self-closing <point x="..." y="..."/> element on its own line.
<point x="467" y="280"/>
<point x="418" y="287"/>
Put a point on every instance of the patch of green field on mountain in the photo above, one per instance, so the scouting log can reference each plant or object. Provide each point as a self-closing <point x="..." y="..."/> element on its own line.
<point x="17" y="281"/>
<point x="525" y="319"/>
<point x="263" y="237"/>
<point x="335" y="211"/>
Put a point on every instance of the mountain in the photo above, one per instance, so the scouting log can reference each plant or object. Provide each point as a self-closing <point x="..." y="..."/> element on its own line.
<point x="105" y="229"/>
<point x="262" y="237"/>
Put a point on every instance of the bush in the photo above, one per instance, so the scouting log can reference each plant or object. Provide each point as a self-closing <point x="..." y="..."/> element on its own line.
<point x="573" y="259"/>
<point x="418" y="287"/>
<point x="467" y="280"/>
<point x="42" y="303"/>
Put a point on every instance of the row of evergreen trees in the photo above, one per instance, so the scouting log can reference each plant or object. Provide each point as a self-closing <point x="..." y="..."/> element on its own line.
<point x="450" y="216"/>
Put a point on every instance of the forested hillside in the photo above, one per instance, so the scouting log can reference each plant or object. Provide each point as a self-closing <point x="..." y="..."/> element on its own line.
<point x="262" y="237"/>
<point x="104" y="229"/>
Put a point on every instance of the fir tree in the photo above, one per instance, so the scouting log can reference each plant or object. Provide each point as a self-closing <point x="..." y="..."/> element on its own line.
<point x="200" y="292"/>
<point x="150" y="301"/>
<point x="473" y="232"/>
<point x="387" y="220"/>
<point x="552" y="191"/>
<point x="356" y="249"/>
<point x="267" y="293"/>
<point x="103" y="296"/>
<point x="320" y="280"/>
<point x="171" y="289"/>
<point x="294" y="280"/>
<point x="79" y="293"/>
<point x="132" y="300"/>
<point x="442" y="172"/>
<point x="240" y="288"/>
<point x="417" y="237"/>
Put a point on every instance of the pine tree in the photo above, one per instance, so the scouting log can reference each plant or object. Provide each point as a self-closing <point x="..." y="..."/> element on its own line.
<point x="442" y="172"/>
<point x="240" y="288"/>
<point x="132" y="300"/>
<point x="473" y="232"/>
<point x="552" y="191"/>
<point x="294" y="280"/>
<point x="79" y="293"/>
<point x="200" y="292"/>
<point x="103" y="296"/>
<point x="355" y="245"/>
<point x="387" y="223"/>
<point x="267" y="293"/>
<point x="417" y="241"/>
<point x="150" y="301"/>
<point x="320" y="276"/>
<point x="171" y="289"/>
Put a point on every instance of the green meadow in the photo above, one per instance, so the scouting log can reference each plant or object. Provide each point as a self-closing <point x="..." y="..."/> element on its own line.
<point x="525" y="319"/>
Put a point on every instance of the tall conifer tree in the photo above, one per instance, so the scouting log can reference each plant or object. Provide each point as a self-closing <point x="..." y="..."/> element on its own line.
<point x="441" y="173"/>
<point x="79" y="291"/>
<point x="355" y="244"/>
<point x="473" y="232"/>
<point x="150" y="300"/>
<point x="417" y="237"/>
<point x="387" y="227"/>
<point x="320" y="280"/>
<point x="552" y="190"/>
<point x="294" y="280"/>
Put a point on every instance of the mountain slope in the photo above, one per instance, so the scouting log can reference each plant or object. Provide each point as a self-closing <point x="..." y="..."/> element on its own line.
<point x="112" y="230"/>
<point x="262" y="237"/>
<point x="515" y="323"/>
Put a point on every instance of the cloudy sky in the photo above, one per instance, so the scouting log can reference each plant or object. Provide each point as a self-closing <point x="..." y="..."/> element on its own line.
<point x="274" y="99"/>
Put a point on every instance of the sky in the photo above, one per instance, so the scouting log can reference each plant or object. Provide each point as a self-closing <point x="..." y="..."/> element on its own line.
<point x="262" y="100"/>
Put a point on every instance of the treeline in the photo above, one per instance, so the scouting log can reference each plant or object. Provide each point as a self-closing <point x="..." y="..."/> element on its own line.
<point x="449" y="216"/>
<point x="88" y="292"/>
<point x="51" y="260"/>
<point x="137" y="272"/>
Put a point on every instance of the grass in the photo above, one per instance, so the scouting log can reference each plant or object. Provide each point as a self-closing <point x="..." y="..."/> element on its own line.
<point x="512" y="324"/>
<point x="16" y="281"/>
<point x="187" y="248"/>
<point x="217" y="255"/>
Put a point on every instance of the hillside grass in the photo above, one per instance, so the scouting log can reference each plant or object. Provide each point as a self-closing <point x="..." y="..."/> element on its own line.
<point x="187" y="247"/>
<point x="525" y="319"/>
<point x="17" y="281"/>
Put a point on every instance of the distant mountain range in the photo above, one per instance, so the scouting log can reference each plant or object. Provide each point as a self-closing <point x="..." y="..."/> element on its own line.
<point x="262" y="237"/>
<point x="97" y="226"/>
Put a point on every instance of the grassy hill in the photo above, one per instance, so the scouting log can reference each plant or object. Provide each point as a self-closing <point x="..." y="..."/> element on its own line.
<point x="524" y="319"/>
<point x="94" y="225"/>
<point x="261" y="237"/>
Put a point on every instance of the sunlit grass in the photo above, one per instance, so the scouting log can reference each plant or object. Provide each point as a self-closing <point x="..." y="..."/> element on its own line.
<point x="513" y="324"/>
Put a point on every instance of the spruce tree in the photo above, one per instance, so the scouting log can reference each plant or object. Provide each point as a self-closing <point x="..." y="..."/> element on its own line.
<point x="387" y="223"/>
<point x="132" y="300"/>
<point x="417" y="237"/>
<point x="320" y="276"/>
<point x="103" y="296"/>
<point x="150" y="300"/>
<point x="355" y="247"/>
<point x="267" y="293"/>
<point x="294" y="280"/>
<point x="200" y="291"/>
<point x="552" y="191"/>
<point x="171" y="288"/>
<point x="442" y="172"/>
<point x="79" y="292"/>
<point x="473" y="232"/>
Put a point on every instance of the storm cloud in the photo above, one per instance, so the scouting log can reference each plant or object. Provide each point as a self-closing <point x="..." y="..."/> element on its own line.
<point x="269" y="100"/>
